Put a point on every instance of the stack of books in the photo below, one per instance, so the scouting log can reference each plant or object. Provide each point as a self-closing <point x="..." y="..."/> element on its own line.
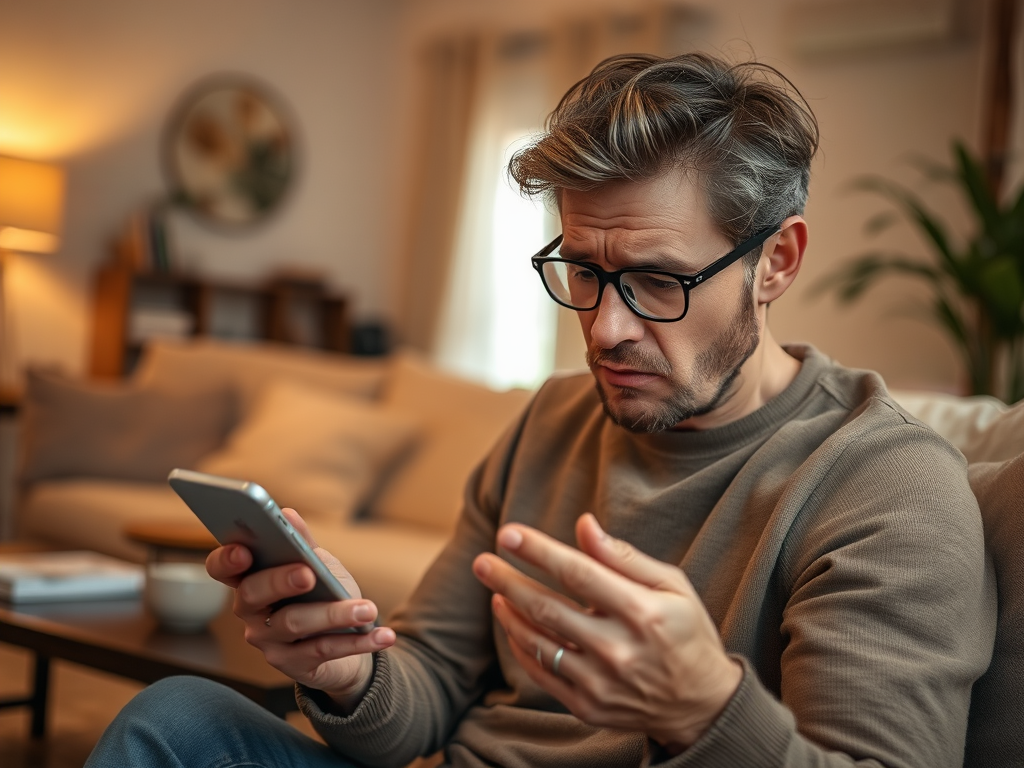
<point x="48" y="577"/>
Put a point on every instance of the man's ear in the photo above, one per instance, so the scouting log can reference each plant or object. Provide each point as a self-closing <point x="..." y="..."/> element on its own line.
<point x="781" y="259"/>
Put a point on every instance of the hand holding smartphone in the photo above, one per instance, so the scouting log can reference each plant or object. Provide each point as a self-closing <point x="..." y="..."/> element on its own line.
<point x="241" y="512"/>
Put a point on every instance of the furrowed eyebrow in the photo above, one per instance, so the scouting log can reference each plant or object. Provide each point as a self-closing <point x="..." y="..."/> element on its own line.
<point x="661" y="262"/>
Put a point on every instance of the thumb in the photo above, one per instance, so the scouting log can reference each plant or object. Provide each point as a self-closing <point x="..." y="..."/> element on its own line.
<point x="624" y="558"/>
<point x="300" y="525"/>
<point x="328" y="559"/>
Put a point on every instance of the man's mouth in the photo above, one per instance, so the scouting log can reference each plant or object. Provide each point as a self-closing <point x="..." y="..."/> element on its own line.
<point x="618" y="376"/>
<point x="627" y="367"/>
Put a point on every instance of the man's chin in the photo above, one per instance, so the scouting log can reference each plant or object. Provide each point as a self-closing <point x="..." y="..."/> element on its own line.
<point x="636" y="410"/>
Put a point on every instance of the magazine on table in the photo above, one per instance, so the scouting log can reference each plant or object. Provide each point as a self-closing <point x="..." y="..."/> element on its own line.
<point x="46" y="577"/>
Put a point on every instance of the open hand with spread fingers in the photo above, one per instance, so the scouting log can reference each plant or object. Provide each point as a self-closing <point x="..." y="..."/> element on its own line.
<point x="639" y="653"/>
<point x="301" y="639"/>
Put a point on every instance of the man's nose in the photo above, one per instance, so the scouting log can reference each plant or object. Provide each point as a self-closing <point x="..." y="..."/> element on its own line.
<point x="614" y="321"/>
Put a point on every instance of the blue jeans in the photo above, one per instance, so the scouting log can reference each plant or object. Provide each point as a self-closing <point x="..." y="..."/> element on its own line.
<point x="190" y="721"/>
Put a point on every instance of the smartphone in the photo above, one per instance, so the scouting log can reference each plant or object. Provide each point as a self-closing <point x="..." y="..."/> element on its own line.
<point x="241" y="512"/>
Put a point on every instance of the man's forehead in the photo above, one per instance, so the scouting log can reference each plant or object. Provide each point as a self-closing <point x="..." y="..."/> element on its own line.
<point x="672" y="199"/>
<point x="666" y="213"/>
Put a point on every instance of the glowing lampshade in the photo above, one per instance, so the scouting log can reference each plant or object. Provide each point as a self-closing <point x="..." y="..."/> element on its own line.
<point x="31" y="205"/>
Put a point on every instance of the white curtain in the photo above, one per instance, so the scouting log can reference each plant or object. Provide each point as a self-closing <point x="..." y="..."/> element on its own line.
<point x="496" y="322"/>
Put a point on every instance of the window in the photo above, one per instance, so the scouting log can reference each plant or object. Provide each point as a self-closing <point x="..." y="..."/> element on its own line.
<point x="499" y="326"/>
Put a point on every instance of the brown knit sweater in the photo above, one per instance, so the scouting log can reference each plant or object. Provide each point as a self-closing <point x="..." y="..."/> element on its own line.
<point x="833" y="539"/>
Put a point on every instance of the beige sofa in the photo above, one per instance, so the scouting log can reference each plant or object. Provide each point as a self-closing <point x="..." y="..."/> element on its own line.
<point x="374" y="453"/>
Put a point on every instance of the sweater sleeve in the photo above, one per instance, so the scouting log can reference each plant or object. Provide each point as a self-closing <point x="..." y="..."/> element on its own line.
<point x="444" y="654"/>
<point x="889" y="618"/>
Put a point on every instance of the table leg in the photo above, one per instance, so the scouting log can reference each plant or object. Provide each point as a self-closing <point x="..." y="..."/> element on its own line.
<point x="36" y="700"/>
<point x="39" y="694"/>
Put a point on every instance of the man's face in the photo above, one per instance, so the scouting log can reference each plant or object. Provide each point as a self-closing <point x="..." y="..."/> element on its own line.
<point x="654" y="376"/>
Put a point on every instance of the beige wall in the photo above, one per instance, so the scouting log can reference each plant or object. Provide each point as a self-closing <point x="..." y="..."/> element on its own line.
<point x="91" y="83"/>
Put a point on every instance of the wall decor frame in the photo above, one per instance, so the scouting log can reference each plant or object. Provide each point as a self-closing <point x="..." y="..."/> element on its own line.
<point x="230" y="152"/>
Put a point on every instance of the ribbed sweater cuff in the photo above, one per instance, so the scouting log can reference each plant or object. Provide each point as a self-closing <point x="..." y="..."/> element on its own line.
<point x="754" y="730"/>
<point x="373" y="734"/>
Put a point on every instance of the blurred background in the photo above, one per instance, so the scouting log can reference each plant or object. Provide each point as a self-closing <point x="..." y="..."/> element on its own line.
<point x="397" y="116"/>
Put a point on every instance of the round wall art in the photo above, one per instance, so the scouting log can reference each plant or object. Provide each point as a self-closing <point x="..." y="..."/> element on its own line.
<point x="229" y="153"/>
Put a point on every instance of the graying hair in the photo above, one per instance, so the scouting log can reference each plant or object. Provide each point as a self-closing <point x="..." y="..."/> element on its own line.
<point x="744" y="129"/>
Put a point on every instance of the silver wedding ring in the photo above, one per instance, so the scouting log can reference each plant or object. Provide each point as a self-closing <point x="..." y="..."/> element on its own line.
<point x="557" y="660"/>
<point x="267" y="620"/>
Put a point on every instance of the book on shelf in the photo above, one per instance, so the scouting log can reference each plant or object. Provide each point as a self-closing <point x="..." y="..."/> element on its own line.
<point x="153" y="323"/>
<point x="48" y="577"/>
<point x="143" y="245"/>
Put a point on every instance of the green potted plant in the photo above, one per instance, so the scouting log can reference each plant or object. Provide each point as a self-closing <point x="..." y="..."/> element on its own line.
<point x="977" y="284"/>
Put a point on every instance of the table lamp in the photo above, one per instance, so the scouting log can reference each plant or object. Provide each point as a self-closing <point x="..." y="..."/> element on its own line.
<point x="31" y="209"/>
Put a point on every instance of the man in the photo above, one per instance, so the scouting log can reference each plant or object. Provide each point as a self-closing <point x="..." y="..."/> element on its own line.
<point x="727" y="553"/>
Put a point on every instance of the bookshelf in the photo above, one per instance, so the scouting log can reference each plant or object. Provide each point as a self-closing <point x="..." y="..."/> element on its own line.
<point x="131" y="307"/>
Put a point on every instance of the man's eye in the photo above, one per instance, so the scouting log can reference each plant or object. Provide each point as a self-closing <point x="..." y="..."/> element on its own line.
<point x="581" y="274"/>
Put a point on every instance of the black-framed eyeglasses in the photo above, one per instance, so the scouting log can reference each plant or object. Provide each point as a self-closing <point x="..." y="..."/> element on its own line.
<point x="650" y="293"/>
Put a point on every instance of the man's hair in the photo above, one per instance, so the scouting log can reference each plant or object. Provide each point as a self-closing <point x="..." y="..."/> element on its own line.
<point x="743" y="129"/>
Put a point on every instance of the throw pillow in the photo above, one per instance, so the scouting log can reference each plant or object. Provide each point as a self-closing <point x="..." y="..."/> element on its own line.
<point x="313" y="450"/>
<point x="461" y="422"/>
<point x="245" y="367"/>
<point x="124" y="431"/>
<point x="999" y="440"/>
<point x="994" y="736"/>
<point x="983" y="428"/>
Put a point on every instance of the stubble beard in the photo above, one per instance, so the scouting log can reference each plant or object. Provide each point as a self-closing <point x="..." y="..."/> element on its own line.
<point x="721" y="360"/>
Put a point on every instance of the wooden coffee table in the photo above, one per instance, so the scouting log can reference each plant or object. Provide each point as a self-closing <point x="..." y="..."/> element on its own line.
<point x="119" y="636"/>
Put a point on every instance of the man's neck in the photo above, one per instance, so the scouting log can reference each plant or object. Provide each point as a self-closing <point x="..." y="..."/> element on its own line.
<point x="765" y="374"/>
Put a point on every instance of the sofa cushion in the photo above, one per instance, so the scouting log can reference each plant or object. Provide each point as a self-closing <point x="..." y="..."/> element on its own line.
<point x="247" y="366"/>
<point x="312" y="449"/>
<point x="387" y="559"/>
<point x="460" y="420"/>
<point x="994" y="737"/>
<point x="131" y="432"/>
<point x="92" y="514"/>
<point x="999" y="440"/>
<point x="983" y="428"/>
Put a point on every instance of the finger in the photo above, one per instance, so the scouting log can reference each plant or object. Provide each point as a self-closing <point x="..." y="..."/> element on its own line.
<point x="228" y="564"/>
<point x="299" y="621"/>
<point x="525" y="647"/>
<point x="258" y="591"/>
<point x="545" y="608"/>
<point x="599" y="586"/>
<point x="624" y="558"/>
<point x="326" y="557"/>
<point x="300" y="525"/>
<point x="543" y="645"/>
<point x="300" y="660"/>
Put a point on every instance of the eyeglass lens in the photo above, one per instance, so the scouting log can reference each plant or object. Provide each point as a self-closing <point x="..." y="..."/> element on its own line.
<point x="652" y="294"/>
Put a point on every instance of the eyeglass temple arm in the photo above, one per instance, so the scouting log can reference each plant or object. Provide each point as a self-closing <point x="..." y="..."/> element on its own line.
<point x="736" y="253"/>
<point x="547" y="249"/>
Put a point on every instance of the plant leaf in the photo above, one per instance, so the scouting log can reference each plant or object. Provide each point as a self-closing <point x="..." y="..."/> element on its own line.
<point x="852" y="278"/>
<point x="951" y="319"/>
<point x="975" y="184"/>
<point x="1017" y="210"/>
<point x="916" y="212"/>
<point x="1003" y="294"/>
<point x="932" y="170"/>
<point x="880" y="222"/>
